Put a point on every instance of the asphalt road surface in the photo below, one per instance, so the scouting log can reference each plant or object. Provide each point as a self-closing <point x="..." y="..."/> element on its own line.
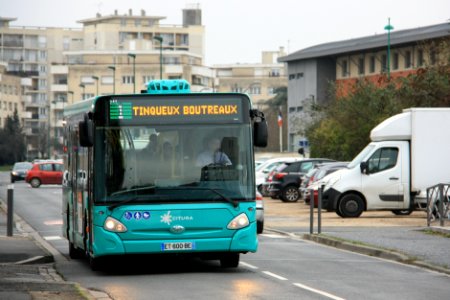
<point x="283" y="267"/>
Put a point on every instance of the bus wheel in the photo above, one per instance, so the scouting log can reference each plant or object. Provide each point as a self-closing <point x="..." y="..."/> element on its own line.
<point x="351" y="206"/>
<point x="74" y="252"/>
<point x="230" y="260"/>
<point x="95" y="263"/>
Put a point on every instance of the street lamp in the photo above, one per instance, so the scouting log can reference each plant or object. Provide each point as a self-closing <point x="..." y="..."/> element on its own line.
<point x="113" y="68"/>
<point x="389" y="27"/>
<point x="81" y="85"/>
<point x="69" y="93"/>
<point x="96" y="82"/>
<point x="160" y="39"/>
<point x="134" y="71"/>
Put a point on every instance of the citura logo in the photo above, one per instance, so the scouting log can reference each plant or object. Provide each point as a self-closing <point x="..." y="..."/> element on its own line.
<point x="187" y="110"/>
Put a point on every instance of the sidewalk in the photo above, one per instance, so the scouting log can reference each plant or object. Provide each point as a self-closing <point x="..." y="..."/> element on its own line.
<point x="26" y="269"/>
<point x="381" y="234"/>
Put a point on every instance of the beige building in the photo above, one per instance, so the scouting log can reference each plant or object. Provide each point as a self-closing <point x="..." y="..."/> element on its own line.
<point x="258" y="80"/>
<point x="10" y="96"/>
<point x="30" y="53"/>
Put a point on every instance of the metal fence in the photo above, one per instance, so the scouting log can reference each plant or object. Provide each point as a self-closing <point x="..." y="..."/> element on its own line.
<point x="438" y="208"/>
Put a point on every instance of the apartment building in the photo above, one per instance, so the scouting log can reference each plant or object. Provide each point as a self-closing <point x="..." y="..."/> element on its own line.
<point x="30" y="53"/>
<point x="10" y="95"/>
<point x="258" y="80"/>
<point x="311" y="70"/>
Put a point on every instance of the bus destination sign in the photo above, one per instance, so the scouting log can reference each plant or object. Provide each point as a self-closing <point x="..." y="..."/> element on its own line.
<point x="138" y="111"/>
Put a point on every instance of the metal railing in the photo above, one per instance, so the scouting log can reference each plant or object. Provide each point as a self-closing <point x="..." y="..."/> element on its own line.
<point x="438" y="208"/>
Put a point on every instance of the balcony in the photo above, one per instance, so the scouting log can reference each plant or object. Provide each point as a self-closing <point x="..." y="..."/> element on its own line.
<point x="59" y="88"/>
<point x="26" y="115"/>
<point x="59" y="70"/>
<point x="26" y="82"/>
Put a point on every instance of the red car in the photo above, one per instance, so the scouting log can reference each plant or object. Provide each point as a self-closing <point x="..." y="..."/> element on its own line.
<point x="45" y="172"/>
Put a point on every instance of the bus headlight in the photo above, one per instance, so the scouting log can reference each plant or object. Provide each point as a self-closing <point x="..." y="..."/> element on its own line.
<point x="113" y="225"/>
<point x="239" y="222"/>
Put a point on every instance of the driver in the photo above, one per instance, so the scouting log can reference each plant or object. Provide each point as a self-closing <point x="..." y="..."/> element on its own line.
<point x="212" y="154"/>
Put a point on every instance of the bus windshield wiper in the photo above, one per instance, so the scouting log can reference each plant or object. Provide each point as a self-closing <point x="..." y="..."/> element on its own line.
<point x="233" y="202"/>
<point x="135" y="190"/>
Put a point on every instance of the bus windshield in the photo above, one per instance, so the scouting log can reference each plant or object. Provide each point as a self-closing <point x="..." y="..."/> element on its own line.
<point x="168" y="163"/>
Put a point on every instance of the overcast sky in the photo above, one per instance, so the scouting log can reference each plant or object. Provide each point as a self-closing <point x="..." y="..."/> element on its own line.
<point x="238" y="30"/>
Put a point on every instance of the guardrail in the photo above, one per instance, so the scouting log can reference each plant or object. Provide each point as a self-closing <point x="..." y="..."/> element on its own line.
<point x="438" y="207"/>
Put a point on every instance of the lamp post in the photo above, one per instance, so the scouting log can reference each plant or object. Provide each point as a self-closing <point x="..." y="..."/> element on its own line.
<point x="134" y="71"/>
<point x="389" y="27"/>
<point x="160" y="39"/>
<point x="96" y="83"/>
<point x="113" y="68"/>
<point x="81" y="85"/>
<point x="69" y="93"/>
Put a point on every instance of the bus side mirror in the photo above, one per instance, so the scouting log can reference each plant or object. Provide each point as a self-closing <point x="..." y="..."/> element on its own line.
<point x="260" y="133"/>
<point x="86" y="132"/>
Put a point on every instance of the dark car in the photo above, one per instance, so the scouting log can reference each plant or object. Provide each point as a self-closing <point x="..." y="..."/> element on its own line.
<point x="287" y="178"/>
<point x="19" y="171"/>
<point x="46" y="172"/>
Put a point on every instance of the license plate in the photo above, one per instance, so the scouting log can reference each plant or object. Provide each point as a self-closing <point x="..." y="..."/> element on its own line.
<point x="177" y="246"/>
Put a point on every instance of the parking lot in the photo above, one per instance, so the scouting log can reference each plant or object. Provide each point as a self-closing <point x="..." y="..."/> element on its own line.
<point x="281" y="214"/>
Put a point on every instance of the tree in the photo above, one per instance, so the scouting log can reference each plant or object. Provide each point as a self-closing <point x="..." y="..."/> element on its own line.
<point x="272" y="108"/>
<point x="12" y="141"/>
<point x="344" y="126"/>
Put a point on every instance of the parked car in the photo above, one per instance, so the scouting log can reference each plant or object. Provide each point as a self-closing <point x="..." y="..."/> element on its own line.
<point x="264" y="169"/>
<point x="287" y="178"/>
<point x="19" y="171"/>
<point x="259" y="213"/>
<point x="45" y="172"/>
<point x="314" y="182"/>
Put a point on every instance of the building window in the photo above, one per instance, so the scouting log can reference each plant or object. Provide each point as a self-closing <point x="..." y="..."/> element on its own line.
<point x="87" y="80"/>
<point x="255" y="90"/>
<point x="383" y="63"/>
<point x="291" y="76"/>
<point x="395" y="61"/>
<point x="147" y="78"/>
<point x="274" y="73"/>
<point x="291" y="109"/>
<point x="344" y="68"/>
<point x="299" y="75"/>
<point x="361" y="66"/>
<point x="420" y="58"/>
<point x="407" y="59"/>
<point x="127" y="79"/>
<point x="271" y="91"/>
<point x="87" y="96"/>
<point x="123" y="22"/>
<point x="372" y="64"/>
<point x="432" y="57"/>
<point x="66" y="43"/>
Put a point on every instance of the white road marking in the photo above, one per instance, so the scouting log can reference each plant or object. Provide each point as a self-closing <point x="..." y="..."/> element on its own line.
<point x="53" y="222"/>
<point x="273" y="236"/>
<point x="248" y="265"/>
<point x="52" y="238"/>
<point x="274" y="275"/>
<point x="328" y="295"/>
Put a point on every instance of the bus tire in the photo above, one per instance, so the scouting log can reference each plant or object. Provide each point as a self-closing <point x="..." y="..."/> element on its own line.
<point x="95" y="263"/>
<point x="74" y="252"/>
<point x="351" y="206"/>
<point x="230" y="260"/>
<point x="259" y="227"/>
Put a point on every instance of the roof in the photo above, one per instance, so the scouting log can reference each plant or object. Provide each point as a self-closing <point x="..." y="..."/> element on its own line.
<point x="370" y="42"/>
<point x="119" y="17"/>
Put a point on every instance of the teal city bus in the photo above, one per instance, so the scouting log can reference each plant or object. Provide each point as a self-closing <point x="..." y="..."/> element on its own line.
<point x="136" y="180"/>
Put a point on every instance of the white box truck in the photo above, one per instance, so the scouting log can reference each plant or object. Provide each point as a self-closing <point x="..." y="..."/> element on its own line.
<point x="409" y="152"/>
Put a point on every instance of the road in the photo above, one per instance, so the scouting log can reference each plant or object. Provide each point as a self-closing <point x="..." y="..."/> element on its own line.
<point x="283" y="268"/>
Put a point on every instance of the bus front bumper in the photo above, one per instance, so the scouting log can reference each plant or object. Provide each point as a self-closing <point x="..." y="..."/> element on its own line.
<point x="109" y="243"/>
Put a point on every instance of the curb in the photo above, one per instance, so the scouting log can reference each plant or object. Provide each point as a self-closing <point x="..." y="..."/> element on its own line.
<point x="369" y="250"/>
<point x="23" y="227"/>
